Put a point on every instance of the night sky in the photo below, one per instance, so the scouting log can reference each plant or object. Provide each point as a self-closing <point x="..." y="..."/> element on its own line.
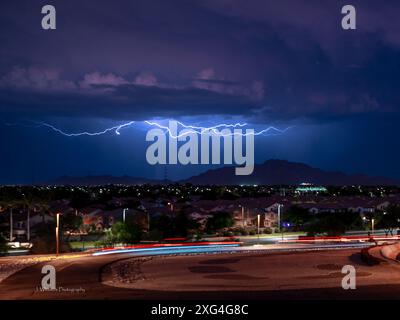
<point x="263" y="62"/>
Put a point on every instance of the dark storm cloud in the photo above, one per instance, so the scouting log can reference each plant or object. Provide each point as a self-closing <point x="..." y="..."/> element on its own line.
<point x="259" y="59"/>
<point x="123" y="102"/>
<point x="34" y="92"/>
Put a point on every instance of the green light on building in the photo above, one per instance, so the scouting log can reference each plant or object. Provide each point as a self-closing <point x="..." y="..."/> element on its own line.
<point x="311" y="189"/>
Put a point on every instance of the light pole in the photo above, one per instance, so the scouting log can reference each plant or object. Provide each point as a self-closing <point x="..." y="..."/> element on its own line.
<point x="124" y="214"/>
<point x="372" y="225"/>
<point x="11" y="224"/>
<point x="28" y="225"/>
<point x="279" y="219"/>
<point x="58" y="234"/>
<point x="242" y="207"/>
<point x="258" y="226"/>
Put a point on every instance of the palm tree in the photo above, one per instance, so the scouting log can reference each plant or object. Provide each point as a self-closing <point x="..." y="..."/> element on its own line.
<point x="10" y="205"/>
<point x="3" y="208"/>
<point x="29" y="203"/>
<point x="44" y="208"/>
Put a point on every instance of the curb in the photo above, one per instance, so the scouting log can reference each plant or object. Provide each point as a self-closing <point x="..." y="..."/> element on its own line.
<point x="369" y="258"/>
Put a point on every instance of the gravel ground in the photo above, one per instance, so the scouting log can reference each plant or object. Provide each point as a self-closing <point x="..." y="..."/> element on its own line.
<point x="11" y="265"/>
<point x="126" y="271"/>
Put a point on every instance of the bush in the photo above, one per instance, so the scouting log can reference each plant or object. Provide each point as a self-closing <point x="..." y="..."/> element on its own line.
<point x="153" y="235"/>
<point x="127" y="233"/>
<point x="198" y="235"/>
<point x="178" y="226"/>
<point x="100" y="244"/>
<point x="3" y="245"/>
<point x="267" y="231"/>
<point x="44" y="245"/>
<point x="45" y="240"/>
<point x="219" y="220"/>
<point x="331" y="224"/>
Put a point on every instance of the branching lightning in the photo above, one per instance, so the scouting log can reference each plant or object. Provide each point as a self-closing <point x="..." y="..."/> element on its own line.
<point x="216" y="130"/>
<point x="116" y="129"/>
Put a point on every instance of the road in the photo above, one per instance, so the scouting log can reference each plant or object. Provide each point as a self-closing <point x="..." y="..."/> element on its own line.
<point x="288" y="274"/>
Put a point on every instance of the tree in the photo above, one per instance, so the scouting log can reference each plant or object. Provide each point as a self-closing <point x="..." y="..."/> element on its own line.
<point x="125" y="232"/>
<point x="390" y="219"/>
<point x="10" y="205"/>
<point x="3" y="245"/>
<point x="219" y="220"/>
<point x="45" y="239"/>
<point x="71" y="222"/>
<point x="325" y="224"/>
<point x="28" y="202"/>
<point x="298" y="216"/>
<point x="333" y="224"/>
<point x="177" y="226"/>
<point x="80" y="200"/>
<point x="182" y="224"/>
<point x="163" y="224"/>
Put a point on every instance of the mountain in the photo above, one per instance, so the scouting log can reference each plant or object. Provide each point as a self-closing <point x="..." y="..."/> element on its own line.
<point x="275" y="172"/>
<point x="271" y="172"/>
<point x="102" y="180"/>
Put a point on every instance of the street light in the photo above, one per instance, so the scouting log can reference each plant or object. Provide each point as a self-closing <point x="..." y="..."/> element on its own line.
<point x="372" y="225"/>
<point x="279" y="219"/>
<point x="124" y="214"/>
<point x="11" y="224"/>
<point x="258" y="226"/>
<point x="243" y="222"/>
<point x="58" y="234"/>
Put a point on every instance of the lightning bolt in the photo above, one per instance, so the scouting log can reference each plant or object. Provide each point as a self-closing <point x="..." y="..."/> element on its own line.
<point x="214" y="130"/>
<point x="191" y="129"/>
<point x="115" y="129"/>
